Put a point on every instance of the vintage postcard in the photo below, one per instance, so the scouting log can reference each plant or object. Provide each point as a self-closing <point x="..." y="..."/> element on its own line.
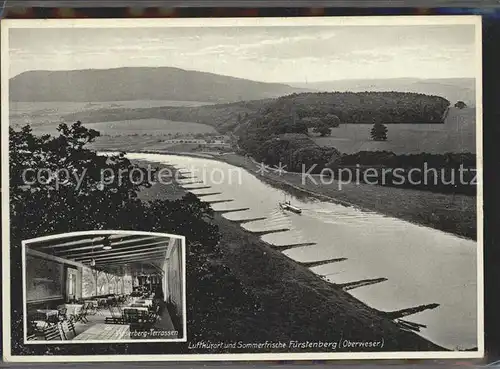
<point x="242" y="189"/>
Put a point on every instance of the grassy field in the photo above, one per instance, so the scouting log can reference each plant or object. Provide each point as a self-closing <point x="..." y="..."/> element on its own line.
<point x="158" y="128"/>
<point x="71" y="107"/>
<point x="135" y="128"/>
<point x="42" y="113"/>
<point x="457" y="134"/>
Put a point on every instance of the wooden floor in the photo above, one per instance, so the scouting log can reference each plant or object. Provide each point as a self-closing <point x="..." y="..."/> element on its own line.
<point x="164" y="323"/>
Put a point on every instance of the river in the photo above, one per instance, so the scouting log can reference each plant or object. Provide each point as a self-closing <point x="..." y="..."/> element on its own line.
<point x="422" y="265"/>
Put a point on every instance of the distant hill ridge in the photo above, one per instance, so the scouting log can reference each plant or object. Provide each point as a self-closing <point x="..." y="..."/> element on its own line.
<point x="176" y="84"/>
<point x="139" y="83"/>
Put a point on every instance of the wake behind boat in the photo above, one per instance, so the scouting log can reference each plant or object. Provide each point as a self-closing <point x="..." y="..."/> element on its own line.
<point x="289" y="207"/>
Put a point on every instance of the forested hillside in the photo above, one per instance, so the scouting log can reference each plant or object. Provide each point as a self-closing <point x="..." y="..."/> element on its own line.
<point x="363" y="107"/>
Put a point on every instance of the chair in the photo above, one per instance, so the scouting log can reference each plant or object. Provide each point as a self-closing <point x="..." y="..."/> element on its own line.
<point x="116" y="316"/>
<point x="34" y="330"/>
<point x="131" y="316"/>
<point x="149" y="321"/>
<point x="32" y="337"/>
<point x="62" y="313"/>
<point x="51" y="319"/>
<point x="68" y="329"/>
<point x="52" y="333"/>
<point x="81" y="316"/>
<point x="38" y="319"/>
<point x="102" y="305"/>
<point x="90" y="307"/>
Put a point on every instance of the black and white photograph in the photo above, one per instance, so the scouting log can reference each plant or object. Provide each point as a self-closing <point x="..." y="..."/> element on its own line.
<point x="323" y="176"/>
<point x="100" y="287"/>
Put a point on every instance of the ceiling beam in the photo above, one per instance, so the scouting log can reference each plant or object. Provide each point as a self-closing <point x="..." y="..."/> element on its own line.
<point x="108" y="252"/>
<point x="69" y="239"/>
<point x="143" y="264"/>
<point x="30" y="251"/>
<point x="138" y="255"/>
<point x="89" y="241"/>
<point x="135" y="271"/>
<point x="100" y="244"/>
<point x="132" y="253"/>
<point x="129" y="263"/>
<point x="76" y="240"/>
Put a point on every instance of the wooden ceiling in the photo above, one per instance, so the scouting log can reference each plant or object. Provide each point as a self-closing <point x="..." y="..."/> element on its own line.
<point x="129" y="253"/>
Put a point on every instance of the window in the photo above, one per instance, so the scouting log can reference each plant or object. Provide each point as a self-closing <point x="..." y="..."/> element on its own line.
<point x="71" y="282"/>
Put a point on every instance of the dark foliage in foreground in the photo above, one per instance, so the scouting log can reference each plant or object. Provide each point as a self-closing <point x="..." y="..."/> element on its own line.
<point x="81" y="201"/>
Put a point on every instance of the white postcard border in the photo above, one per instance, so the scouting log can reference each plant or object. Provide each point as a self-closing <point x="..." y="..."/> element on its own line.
<point x="241" y="22"/>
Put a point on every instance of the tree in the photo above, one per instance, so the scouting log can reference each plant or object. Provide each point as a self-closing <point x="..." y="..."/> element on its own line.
<point x="332" y="120"/>
<point x="379" y="132"/>
<point x="311" y="122"/>
<point x="314" y="158"/>
<point x="323" y="129"/>
<point x="298" y="127"/>
<point x="460" y="105"/>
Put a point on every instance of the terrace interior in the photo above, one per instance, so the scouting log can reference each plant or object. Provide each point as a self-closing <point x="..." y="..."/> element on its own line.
<point x="104" y="287"/>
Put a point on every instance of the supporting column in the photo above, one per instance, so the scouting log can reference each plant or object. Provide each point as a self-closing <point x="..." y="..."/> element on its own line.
<point x="165" y="280"/>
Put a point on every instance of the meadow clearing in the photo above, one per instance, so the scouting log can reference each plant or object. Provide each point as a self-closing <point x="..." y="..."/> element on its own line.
<point x="457" y="134"/>
<point x="51" y="113"/>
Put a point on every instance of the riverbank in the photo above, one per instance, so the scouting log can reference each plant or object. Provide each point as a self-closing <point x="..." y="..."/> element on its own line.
<point x="296" y="304"/>
<point x="456" y="214"/>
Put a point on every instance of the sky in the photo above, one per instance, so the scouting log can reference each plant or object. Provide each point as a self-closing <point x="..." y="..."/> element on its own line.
<point x="268" y="54"/>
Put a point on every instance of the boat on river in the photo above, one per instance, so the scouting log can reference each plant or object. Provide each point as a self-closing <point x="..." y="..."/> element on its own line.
<point x="289" y="207"/>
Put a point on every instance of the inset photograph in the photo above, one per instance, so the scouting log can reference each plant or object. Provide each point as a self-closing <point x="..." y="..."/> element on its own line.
<point x="104" y="286"/>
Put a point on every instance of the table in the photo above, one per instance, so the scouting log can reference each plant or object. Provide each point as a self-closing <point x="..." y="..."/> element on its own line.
<point x="92" y="302"/>
<point x="138" y="305"/>
<point x="48" y="312"/>
<point x="73" y="309"/>
<point x="45" y="316"/>
<point x="141" y="308"/>
<point x="104" y="332"/>
<point x="147" y="302"/>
